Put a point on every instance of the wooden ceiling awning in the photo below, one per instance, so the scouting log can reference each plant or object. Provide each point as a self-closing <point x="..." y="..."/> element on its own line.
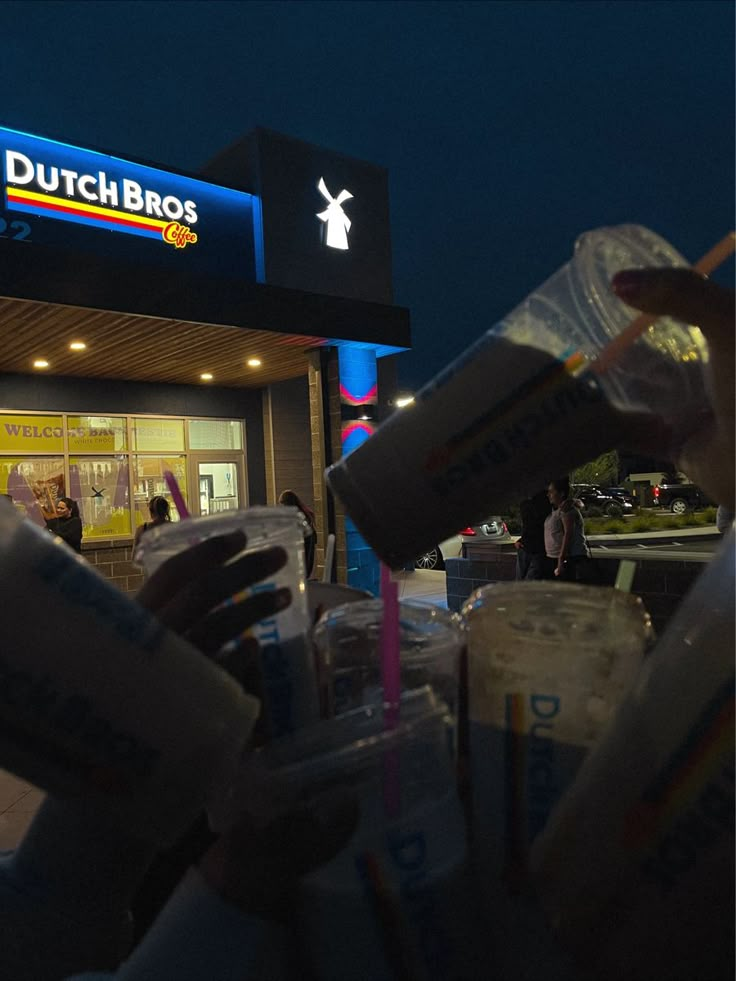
<point x="138" y="348"/>
<point x="143" y="323"/>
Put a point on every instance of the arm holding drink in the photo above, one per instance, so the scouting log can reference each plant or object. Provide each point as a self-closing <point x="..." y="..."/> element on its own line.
<point x="68" y="865"/>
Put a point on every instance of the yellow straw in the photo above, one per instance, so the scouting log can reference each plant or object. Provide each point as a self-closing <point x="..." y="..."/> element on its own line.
<point x="705" y="266"/>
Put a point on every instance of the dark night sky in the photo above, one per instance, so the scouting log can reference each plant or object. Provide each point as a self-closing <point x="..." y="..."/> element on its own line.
<point x="507" y="128"/>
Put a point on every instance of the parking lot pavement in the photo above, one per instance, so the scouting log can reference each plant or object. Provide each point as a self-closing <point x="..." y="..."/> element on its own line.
<point x="426" y="585"/>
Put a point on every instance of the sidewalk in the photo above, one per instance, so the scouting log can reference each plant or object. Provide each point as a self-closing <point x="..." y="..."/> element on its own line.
<point x="429" y="586"/>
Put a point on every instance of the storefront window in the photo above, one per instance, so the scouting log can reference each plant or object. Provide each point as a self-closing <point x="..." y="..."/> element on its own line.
<point x="113" y="465"/>
<point x="215" y="434"/>
<point x="101" y="488"/>
<point x="35" y="484"/>
<point x="97" y="434"/>
<point x="148" y="481"/>
<point x="158" y="435"/>
<point x="31" y="434"/>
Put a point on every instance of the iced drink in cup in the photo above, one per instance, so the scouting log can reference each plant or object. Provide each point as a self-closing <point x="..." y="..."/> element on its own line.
<point x="522" y="403"/>
<point x="287" y="666"/>
<point x="548" y="663"/>
<point x="635" y="869"/>
<point x="347" y="642"/>
<point x="99" y="701"/>
<point x="396" y="902"/>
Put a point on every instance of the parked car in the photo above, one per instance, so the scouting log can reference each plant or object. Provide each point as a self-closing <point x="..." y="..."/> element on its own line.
<point x="620" y="493"/>
<point x="676" y="493"/>
<point x="491" y="530"/>
<point x="593" y="496"/>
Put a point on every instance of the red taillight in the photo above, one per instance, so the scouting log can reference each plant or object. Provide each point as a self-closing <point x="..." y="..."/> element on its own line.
<point x="656" y="491"/>
<point x="505" y="528"/>
<point x="468" y="531"/>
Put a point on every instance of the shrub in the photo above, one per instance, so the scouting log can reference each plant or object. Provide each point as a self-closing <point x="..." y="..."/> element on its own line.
<point x="671" y="522"/>
<point x="709" y="516"/>
<point x="594" y="512"/>
<point x="642" y="524"/>
<point x="691" y="520"/>
<point x="613" y="527"/>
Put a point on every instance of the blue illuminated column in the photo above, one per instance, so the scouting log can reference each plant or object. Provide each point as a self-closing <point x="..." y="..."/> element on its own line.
<point x="358" y="401"/>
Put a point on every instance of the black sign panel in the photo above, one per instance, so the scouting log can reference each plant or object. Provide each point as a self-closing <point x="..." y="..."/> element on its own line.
<point x="325" y="220"/>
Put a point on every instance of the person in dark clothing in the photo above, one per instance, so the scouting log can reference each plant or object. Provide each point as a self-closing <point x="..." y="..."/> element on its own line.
<point x="291" y="499"/>
<point x="530" y="554"/>
<point x="67" y="524"/>
<point x="160" y="511"/>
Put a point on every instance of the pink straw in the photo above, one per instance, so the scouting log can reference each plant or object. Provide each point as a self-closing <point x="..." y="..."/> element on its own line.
<point x="176" y="494"/>
<point x="391" y="679"/>
<point x="390" y="663"/>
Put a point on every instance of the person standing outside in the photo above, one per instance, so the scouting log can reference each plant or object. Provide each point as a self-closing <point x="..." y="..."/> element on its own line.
<point x="160" y="512"/>
<point x="67" y="524"/>
<point x="291" y="499"/>
<point x="564" y="533"/>
<point x="530" y="552"/>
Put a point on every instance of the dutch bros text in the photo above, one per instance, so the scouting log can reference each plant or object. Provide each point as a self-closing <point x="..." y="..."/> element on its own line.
<point x="120" y="205"/>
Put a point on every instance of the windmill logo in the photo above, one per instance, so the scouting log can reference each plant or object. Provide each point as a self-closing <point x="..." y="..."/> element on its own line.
<point x="337" y="223"/>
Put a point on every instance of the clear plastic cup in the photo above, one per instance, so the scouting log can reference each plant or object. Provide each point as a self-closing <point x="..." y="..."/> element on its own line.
<point x="347" y="641"/>
<point x="287" y="665"/>
<point x="398" y="897"/>
<point x="635" y="867"/>
<point x="98" y="700"/>
<point x="520" y="404"/>
<point x="548" y="664"/>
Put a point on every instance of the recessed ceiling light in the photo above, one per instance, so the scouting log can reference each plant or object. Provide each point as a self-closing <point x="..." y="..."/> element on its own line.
<point x="254" y="362"/>
<point x="77" y="346"/>
<point x="206" y="376"/>
<point x="40" y="363"/>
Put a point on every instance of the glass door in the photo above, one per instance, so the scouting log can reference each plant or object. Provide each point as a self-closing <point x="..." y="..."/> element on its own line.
<point x="218" y="482"/>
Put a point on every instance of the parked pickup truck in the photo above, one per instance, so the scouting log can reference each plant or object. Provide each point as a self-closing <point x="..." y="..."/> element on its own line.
<point x="678" y="495"/>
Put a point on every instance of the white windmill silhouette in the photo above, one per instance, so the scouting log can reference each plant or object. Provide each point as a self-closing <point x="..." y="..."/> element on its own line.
<point x="338" y="223"/>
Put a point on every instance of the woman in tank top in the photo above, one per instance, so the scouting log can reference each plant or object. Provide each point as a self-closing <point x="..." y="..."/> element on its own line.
<point x="564" y="534"/>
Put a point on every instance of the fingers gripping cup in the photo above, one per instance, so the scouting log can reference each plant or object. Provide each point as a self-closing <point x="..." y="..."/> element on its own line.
<point x="290" y="691"/>
<point x="522" y="403"/>
<point x="98" y="700"/>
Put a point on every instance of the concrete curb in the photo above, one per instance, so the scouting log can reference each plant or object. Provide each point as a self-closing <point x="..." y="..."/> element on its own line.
<point x="705" y="534"/>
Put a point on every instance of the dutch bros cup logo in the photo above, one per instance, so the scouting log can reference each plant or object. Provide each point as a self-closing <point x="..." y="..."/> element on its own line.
<point x="336" y="221"/>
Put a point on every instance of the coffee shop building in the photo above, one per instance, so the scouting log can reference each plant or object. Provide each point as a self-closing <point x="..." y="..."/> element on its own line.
<point x="235" y="327"/>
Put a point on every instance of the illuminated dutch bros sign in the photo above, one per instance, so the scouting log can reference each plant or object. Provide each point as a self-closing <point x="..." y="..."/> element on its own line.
<point x="55" y="181"/>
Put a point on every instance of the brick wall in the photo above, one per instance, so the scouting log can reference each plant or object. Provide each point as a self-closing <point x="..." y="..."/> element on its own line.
<point x="287" y="440"/>
<point x="113" y="561"/>
<point x="661" y="584"/>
